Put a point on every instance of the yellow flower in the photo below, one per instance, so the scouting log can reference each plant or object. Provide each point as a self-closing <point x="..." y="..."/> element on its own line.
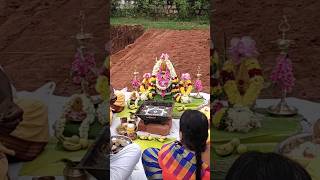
<point x="218" y="117"/>
<point x="229" y="66"/>
<point x="102" y="87"/>
<point x="252" y="63"/>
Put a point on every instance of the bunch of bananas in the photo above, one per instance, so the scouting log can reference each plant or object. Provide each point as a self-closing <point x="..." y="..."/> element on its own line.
<point x="74" y="143"/>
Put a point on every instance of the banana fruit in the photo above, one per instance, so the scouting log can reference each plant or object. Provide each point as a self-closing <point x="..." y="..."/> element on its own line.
<point x="161" y="139"/>
<point x="69" y="146"/>
<point x="242" y="149"/>
<point x="225" y="149"/>
<point x="74" y="139"/>
<point x="229" y="148"/>
<point x="181" y="108"/>
<point x="132" y="107"/>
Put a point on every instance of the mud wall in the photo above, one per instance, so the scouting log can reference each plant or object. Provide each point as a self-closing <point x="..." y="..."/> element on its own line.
<point x="124" y="35"/>
<point x="37" y="41"/>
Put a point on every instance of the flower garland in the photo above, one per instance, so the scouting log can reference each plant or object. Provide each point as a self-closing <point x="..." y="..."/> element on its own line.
<point x="87" y="108"/>
<point x="81" y="68"/>
<point x="198" y="85"/>
<point x="145" y="83"/>
<point x="102" y="85"/>
<point x="230" y="85"/>
<point x="163" y="82"/>
<point x="102" y="113"/>
<point x="144" y="87"/>
<point x="282" y="74"/>
<point x="185" y="87"/>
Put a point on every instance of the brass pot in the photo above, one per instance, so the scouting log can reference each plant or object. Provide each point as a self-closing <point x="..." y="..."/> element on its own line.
<point x="71" y="173"/>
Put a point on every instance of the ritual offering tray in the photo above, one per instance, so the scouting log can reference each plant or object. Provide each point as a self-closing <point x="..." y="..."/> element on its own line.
<point x="155" y="112"/>
<point x="118" y="143"/>
<point x="301" y="147"/>
<point x="97" y="159"/>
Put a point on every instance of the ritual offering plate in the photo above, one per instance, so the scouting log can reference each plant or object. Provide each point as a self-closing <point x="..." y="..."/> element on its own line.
<point x="300" y="147"/>
<point x="155" y="112"/>
<point x="118" y="143"/>
<point x="282" y="111"/>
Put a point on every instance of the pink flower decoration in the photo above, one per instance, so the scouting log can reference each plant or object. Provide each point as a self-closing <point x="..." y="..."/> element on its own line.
<point x="282" y="74"/>
<point x="135" y="83"/>
<point x="164" y="56"/>
<point x="241" y="48"/>
<point x="81" y="68"/>
<point x="185" y="76"/>
<point x="198" y="85"/>
<point x="147" y="75"/>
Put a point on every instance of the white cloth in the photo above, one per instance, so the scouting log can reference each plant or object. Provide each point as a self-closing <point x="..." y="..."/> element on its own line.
<point x="123" y="164"/>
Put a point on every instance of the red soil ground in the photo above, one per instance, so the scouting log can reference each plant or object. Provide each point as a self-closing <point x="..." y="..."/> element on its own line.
<point x="36" y="43"/>
<point x="187" y="49"/>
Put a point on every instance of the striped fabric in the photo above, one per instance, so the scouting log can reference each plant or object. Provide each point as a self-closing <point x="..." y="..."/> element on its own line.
<point x="151" y="165"/>
<point x="25" y="150"/>
<point x="174" y="161"/>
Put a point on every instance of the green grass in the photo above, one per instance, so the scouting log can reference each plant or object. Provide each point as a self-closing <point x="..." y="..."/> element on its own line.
<point x="163" y="23"/>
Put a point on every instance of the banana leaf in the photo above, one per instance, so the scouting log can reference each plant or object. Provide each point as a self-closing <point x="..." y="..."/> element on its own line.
<point x="273" y="129"/>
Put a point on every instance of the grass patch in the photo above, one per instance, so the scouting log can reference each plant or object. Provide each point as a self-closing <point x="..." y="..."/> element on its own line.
<point x="163" y="23"/>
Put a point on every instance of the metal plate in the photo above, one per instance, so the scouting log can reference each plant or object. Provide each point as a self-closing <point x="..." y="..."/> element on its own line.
<point x="292" y="142"/>
<point x="128" y="140"/>
<point x="293" y="111"/>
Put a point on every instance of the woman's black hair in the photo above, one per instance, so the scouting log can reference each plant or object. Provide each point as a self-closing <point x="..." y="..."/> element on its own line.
<point x="194" y="129"/>
<point x="266" y="166"/>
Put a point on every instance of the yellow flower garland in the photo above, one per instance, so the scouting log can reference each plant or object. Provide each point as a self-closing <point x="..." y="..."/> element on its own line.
<point x="255" y="83"/>
<point x="183" y="88"/>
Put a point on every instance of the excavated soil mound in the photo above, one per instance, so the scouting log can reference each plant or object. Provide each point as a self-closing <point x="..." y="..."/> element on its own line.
<point x="187" y="49"/>
<point x="260" y="20"/>
<point x="124" y="35"/>
<point x="36" y="43"/>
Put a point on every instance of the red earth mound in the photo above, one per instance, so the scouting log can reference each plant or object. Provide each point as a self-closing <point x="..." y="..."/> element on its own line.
<point x="187" y="49"/>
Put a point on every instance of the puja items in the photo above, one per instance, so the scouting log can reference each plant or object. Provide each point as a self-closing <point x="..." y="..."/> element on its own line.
<point x="185" y="89"/>
<point x="78" y="109"/>
<point x="236" y="119"/>
<point x="119" y="104"/>
<point x="83" y="69"/>
<point x="302" y="146"/>
<point x="198" y="84"/>
<point x="149" y="137"/>
<point x="71" y="172"/>
<point x="128" y="127"/>
<point x="282" y="75"/>
<point x="118" y="143"/>
<point x="155" y="112"/>
<point x="133" y="102"/>
<point x="233" y="146"/>
<point x="241" y="77"/>
<point x="156" y="117"/>
<point x="164" y="80"/>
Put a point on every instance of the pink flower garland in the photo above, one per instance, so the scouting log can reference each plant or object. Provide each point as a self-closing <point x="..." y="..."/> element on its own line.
<point x="135" y="83"/>
<point x="81" y="68"/>
<point x="198" y="85"/>
<point x="282" y="74"/>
